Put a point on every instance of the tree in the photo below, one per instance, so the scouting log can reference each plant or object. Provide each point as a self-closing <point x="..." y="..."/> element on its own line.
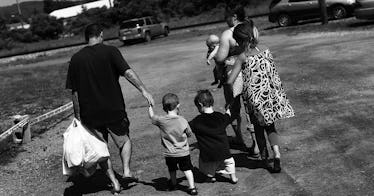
<point x="46" y="27"/>
<point x="48" y="6"/>
<point x="2" y="25"/>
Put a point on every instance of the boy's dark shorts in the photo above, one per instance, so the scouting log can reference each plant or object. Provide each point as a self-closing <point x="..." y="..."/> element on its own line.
<point x="184" y="163"/>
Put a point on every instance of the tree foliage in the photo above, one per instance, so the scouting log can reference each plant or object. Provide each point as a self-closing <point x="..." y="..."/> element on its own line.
<point x="46" y="27"/>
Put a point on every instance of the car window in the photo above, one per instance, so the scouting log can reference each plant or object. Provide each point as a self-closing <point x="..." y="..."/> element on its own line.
<point x="148" y="21"/>
<point x="131" y="24"/>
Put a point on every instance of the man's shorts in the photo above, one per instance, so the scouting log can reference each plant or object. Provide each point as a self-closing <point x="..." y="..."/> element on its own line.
<point x="226" y="166"/>
<point x="118" y="131"/>
<point x="184" y="163"/>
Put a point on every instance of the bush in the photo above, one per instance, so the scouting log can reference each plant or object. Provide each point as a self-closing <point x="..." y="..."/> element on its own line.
<point x="46" y="27"/>
<point x="24" y="35"/>
<point x="189" y="9"/>
<point x="6" y="43"/>
<point x="106" y="17"/>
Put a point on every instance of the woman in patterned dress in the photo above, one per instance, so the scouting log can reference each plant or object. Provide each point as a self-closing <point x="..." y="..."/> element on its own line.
<point x="263" y="94"/>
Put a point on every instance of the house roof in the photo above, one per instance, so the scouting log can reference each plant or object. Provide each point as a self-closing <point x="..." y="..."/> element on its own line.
<point x="75" y="10"/>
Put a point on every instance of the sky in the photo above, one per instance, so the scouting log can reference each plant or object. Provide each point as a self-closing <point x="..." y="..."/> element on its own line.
<point x="10" y="2"/>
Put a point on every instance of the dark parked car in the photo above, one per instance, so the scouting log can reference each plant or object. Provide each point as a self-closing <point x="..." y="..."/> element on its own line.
<point x="142" y="28"/>
<point x="364" y="9"/>
<point x="287" y="12"/>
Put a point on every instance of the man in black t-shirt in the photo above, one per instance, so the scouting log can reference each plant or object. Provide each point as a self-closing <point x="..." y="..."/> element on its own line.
<point x="98" y="102"/>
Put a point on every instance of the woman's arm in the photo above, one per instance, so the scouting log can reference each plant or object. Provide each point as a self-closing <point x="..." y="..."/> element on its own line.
<point x="236" y="70"/>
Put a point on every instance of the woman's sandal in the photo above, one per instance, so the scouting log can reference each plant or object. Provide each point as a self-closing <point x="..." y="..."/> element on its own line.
<point x="130" y="179"/>
<point x="210" y="179"/>
<point x="277" y="168"/>
<point x="171" y="186"/>
<point x="192" y="191"/>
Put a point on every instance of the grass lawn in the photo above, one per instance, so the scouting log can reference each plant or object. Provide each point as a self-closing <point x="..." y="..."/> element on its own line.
<point x="327" y="149"/>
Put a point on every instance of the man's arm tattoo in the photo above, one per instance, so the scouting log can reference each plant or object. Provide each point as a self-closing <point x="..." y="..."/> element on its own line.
<point x="134" y="79"/>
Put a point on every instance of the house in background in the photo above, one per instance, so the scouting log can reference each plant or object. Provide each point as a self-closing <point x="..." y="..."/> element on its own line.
<point x="73" y="11"/>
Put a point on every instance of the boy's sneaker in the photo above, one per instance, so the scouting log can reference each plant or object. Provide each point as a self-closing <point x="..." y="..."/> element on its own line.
<point x="192" y="191"/>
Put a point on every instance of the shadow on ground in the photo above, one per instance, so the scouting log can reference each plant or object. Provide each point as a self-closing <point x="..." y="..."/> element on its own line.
<point x="96" y="183"/>
<point x="362" y="23"/>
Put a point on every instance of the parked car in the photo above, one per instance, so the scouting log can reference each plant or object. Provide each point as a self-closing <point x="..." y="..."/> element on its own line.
<point x="288" y="12"/>
<point x="364" y="9"/>
<point x="142" y="28"/>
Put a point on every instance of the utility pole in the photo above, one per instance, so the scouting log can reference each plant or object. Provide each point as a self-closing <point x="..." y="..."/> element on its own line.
<point x="19" y="8"/>
<point x="322" y="6"/>
<point x="19" y="13"/>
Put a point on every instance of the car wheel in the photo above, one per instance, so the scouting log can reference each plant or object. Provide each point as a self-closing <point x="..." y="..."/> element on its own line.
<point x="284" y="20"/>
<point x="166" y="31"/>
<point x="339" y="12"/>
<point x="147" y="37"/>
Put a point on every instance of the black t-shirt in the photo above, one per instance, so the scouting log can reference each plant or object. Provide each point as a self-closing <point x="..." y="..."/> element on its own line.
<point x="94" y="73"/>
<point x="210" y="132"/>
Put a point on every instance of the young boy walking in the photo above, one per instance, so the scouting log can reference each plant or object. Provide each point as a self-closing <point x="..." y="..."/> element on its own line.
<point x="210" y="130"/>
<point x="174" y="132"/>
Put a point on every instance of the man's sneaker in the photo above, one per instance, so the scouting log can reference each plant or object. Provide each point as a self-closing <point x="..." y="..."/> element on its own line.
<point x="192" y="191"/>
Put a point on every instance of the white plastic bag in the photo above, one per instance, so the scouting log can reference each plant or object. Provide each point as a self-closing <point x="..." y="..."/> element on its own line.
<point x="82" y="150"/>
<point x="73" y="148"/>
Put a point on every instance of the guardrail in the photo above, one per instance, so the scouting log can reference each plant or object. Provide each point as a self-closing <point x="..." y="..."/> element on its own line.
<point x="21" y="131"/>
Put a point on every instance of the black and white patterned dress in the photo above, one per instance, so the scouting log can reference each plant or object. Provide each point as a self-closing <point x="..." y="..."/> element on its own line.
<point x="263" y="93"/>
